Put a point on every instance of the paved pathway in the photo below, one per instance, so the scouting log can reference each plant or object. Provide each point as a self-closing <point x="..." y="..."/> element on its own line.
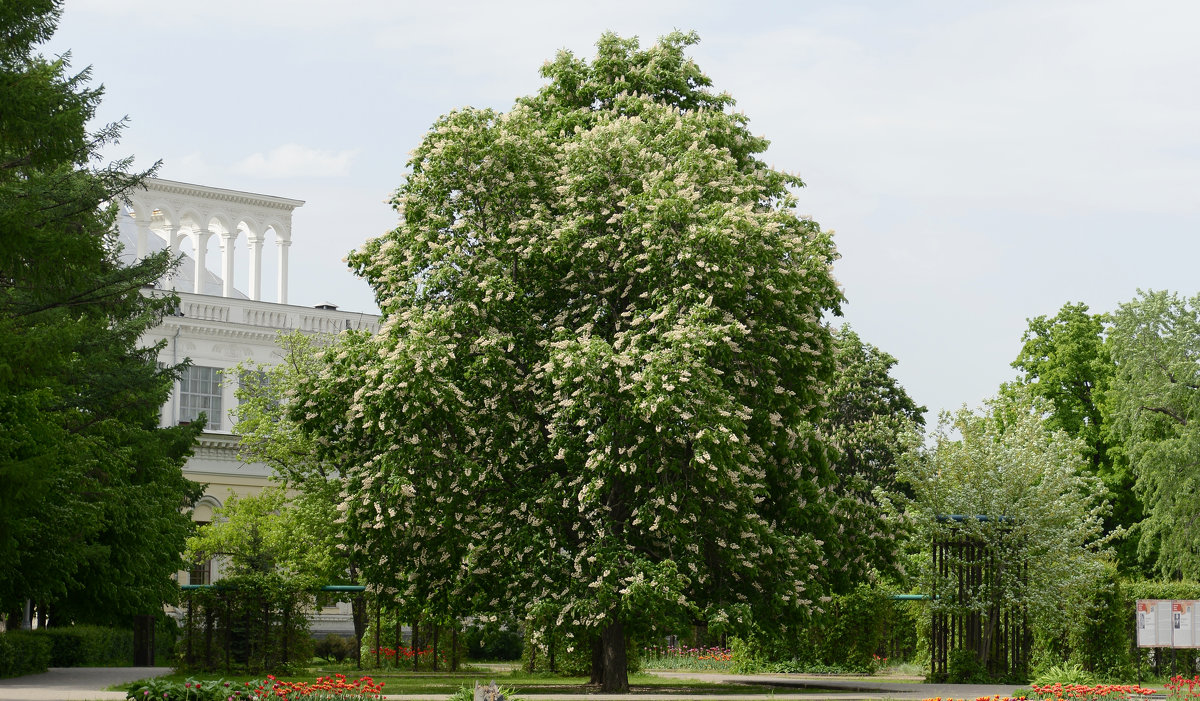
<point x="812" y="687"/>
<point x="74" y="683"/>
<point x="88" y="684"/>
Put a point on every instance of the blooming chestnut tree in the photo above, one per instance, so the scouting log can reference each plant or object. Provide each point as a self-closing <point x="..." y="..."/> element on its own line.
<point x="600" y="371"/>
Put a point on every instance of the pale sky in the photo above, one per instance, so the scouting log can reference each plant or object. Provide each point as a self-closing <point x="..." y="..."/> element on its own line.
<point x="981" y="162"/>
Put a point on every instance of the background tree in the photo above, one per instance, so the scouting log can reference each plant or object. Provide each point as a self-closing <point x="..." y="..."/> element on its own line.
<point x="871" y="426"/>
<point x="86" y="474"/>
<point x="602" y="362"/>
<point x="264" y="533"/>
<point x="267" y="396"/>
<point x="1043" y="512"/>
<point x="1154" y="409"/>
<point x="1065" y="361"/>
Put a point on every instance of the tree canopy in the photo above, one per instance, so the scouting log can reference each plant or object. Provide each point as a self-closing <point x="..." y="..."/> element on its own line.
<point x="1065" y="361"/>
<point x="872" y="427"/>
<point x="602" y="363"/>
<point x="1022" y="491"/>
<point x="1154" y="409"/>
<point x="91" y="491"/>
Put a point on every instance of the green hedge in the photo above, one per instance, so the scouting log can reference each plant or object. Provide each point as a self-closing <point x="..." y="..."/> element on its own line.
<point x="32" y="651"/>
<point x="89" y="646"/>
<point x="23" y="652"/>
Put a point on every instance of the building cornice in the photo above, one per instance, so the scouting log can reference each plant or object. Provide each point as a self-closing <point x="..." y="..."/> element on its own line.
<point x="219" y="194"/>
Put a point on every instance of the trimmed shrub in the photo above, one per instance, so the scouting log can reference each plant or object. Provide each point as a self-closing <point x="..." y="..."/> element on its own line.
<point x="963" y="667"/>
<point x="23" y="652"/>
<point x="88" y="646"/>
<point x="334" y="648"/>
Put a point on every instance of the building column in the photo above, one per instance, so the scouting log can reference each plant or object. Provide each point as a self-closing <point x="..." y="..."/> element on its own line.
<point x="228" y="241"/>
<point x="254" y="241"/>
<point x="143" y="237"/>
<point x="283" y="268"/>
<point x="200" y="246"/>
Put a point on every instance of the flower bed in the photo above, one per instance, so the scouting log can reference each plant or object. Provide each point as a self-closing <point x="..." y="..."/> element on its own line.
<point x="700" y="658"/>
<point x="323" y="689"/>
<point x="1062" y="692"/>
<point x="1183" y="688"/>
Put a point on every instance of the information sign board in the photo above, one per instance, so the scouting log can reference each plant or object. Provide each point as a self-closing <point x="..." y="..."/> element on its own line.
<point x="1183" y="619"/>
<point x="1155" y="623"/>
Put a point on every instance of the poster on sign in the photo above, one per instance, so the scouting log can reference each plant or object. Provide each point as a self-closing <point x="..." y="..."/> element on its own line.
<point x="1155" y="624"/>
<point x="1183" y="622"/>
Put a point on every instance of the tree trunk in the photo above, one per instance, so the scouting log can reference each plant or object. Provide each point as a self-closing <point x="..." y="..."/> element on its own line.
<point x="416" y="631"/>
<point x="597" y="660"/>
<point x="396" y="647"/>
<point x="358" y="614"/>
<point x="615" y="677"/>
<point x="436" y="629"/>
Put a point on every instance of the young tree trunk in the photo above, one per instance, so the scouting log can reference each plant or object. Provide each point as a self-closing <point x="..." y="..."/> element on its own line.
<point x="436" y="628"/>
<point x="615" y="677"/>
<point x="416" y="626"/>
<point x="597" y="660"/>
<point x="358" y="613"/>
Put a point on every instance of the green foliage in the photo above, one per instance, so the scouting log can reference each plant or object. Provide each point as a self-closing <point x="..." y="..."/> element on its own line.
<point x="871" y="425"/>
<point x="190" y="690"/>
<point x="964" y="667"/>
<point x="307" y="538"/>
<point x="747" y="657"/>
<point x="258" y="619"/>
<point x="856" y="633"/>
<point x="91" y="489"/>
<point x="266" y="532"/>
<point x="334" y="648"/>
<point x="23" y="652"/>
<point x="1153" y="408"/>
<point x="88" y="646"/>
<point x="601" y="365"/>
<point x="1042" y="513"/>
<point x="1065" y="674"/>
<point x="856" y="629"/>
<point x="492" y="641"/>
<point x="1100" y="641"/>
<point x="1064" y="361"/>
<point x="1158" y="589"/>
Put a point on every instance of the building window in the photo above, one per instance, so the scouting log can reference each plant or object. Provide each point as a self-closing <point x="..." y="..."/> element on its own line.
<point x="200" y="393"/>
<point x="201" y="572"/>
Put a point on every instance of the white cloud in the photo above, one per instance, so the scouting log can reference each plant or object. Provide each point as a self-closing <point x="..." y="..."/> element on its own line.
<point x="297" y="161"/>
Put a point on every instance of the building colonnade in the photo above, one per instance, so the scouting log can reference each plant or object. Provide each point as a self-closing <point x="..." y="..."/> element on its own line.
<point x="176" y="211"/>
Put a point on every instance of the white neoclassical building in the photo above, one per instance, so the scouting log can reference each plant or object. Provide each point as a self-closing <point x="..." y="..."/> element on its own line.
<point x="218" y="326"/>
